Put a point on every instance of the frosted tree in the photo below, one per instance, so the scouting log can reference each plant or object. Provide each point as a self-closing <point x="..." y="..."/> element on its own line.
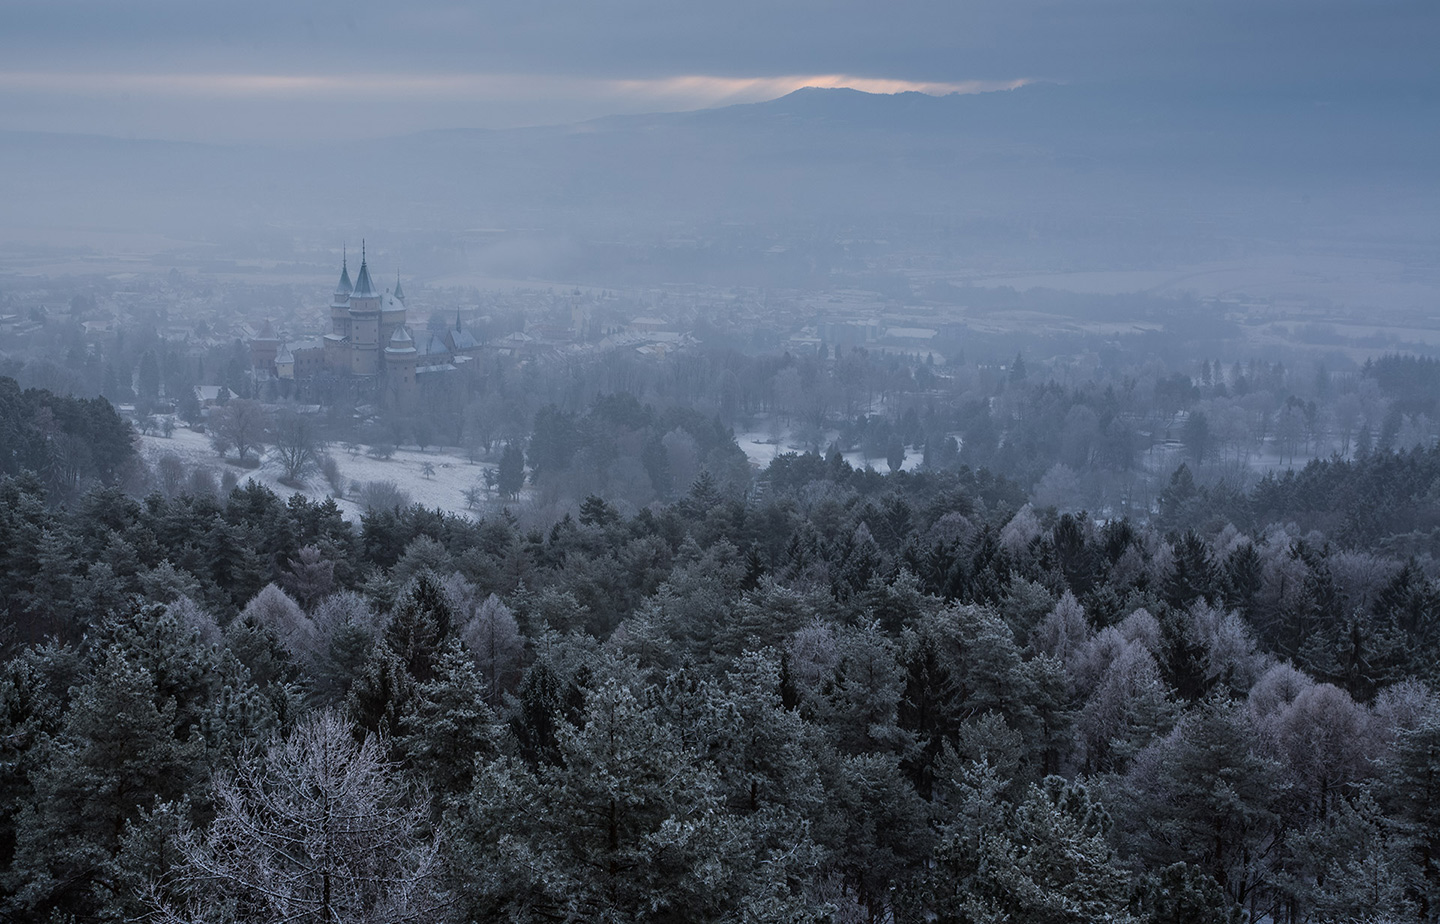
<point x="495" y="642"/>
<point x="309" y="575"/>
<point x="278" y="612"/>
<point x="1127" y="706"/>
<point x="319" y="828"/>
<point x="1063" y="632"/>
<point x="1326" y="745"/>
<point x="628" y="824"/>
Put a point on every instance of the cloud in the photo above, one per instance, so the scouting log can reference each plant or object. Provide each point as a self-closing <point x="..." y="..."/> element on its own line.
<point x="716" y="90"/>
<point x="700" y="89"/>
<point x="1300" y="42"/>
<point x="508" y="62"/>
<point x="317" y="106"/>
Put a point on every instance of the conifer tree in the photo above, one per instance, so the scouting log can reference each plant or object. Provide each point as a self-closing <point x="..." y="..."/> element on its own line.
<point x="511" y="477"/>
<point x="118" y="752"/>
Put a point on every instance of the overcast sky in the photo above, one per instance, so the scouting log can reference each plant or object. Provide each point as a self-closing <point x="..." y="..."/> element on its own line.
<point x="311" y="70"/>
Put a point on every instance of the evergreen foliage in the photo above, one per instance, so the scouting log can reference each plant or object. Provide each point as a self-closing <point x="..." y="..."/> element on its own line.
<point x="848" y="696"/>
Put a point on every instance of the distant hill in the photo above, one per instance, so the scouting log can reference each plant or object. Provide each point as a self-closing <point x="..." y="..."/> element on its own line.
<point x="1065" y="165"/>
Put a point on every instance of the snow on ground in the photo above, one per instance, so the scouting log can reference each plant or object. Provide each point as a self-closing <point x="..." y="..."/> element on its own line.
<point x="453" y="475"/>
<point x="445" y="489"/>
<point x="858" y="460"/>
<point x="761" y="447"/>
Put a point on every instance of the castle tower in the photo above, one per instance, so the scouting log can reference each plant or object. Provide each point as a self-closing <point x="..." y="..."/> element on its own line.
<point x="401" y="358"/>
<point x="392" y="311"/>
<point x="336" y="357"/>
<point x="340" y="302"/>
<point x="364" y="310"/>
<point x="263" y="348"/>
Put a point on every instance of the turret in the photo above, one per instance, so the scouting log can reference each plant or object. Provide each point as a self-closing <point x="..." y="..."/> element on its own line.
<point x="340" y="302"/>
<point x="364" y="287"/>
<point x="364" y="322"/>
<point x="401" y="359"/>
<point x="343" y="288"/>
<point x="392" y="311"/>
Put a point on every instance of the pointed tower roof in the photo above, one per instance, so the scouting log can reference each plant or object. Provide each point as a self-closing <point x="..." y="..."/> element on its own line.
<point x="400" y="342"/>
<point x="343" y="287"/>
<point x="364" y="288"/>
<point x="399" y="293"/>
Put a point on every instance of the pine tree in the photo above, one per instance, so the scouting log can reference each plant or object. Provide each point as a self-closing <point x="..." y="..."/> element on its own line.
<point x="1412" y="791"/>
<point x="628" y="824"/>
<point x="512" y="471"/>
<point x="1193" y="575"/>
<point x="423" y="621"/>
<point x="447" y="726"/>
<point x="118" y="752"/>
<point x="1177" y="502"/>
<point x="493" y="640"/>
<point x="381" y="694"/>
<point x="1017" y="370"/>
<point x="1205" y="795"/>
<point x="1183" y="894"/>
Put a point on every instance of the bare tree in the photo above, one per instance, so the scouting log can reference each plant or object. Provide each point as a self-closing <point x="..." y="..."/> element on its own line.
<point x="241" y="425"/>
<point x="319" y="829"/>
<point x="170" y="473"/>
<point x="297" y="447"/>
<point x="331" y="470"/>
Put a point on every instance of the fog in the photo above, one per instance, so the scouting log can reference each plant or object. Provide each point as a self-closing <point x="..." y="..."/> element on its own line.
<point x="1259" y="141"/>
<point x="1018" y="171"/>
<point x="782" y="460"/>
<point x="1025" y="186"/>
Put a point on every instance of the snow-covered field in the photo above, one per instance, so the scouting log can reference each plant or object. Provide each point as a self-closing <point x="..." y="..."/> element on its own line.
<point x="761" y="448"/>
<point x="445" y="489"/>
<point x="452" y="474"/>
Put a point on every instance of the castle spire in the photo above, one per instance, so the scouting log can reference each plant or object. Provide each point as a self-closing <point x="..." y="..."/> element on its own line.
<point x="343" y="287"/>
<point x="364" y="288"/>
<point x="399" y="293"/>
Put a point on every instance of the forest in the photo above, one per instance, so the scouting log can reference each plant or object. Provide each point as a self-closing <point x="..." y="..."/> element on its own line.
<point x="823" y="694"/>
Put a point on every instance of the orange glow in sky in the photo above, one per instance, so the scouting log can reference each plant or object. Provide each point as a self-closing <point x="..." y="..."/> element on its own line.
<point x="699" y="88"/>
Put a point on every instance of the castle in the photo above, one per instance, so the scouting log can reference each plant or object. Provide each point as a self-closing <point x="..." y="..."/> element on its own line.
<point x="367" y="333"/>
<point x="368" y="340"/>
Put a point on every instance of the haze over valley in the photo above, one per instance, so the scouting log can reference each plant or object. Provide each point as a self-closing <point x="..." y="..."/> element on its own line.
<point x="930" y="463"/>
